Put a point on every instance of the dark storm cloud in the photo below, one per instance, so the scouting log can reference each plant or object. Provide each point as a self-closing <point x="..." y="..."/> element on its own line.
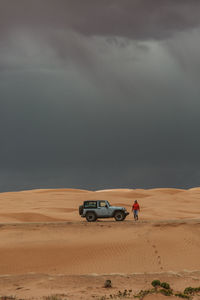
<point x="138" y="19"/>
<point x="99" y="93"/>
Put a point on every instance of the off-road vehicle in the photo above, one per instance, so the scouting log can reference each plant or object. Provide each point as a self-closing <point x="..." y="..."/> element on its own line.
<point x="94" y="209"/>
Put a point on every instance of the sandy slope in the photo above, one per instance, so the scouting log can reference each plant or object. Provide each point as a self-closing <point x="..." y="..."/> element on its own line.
<point x="100" y="248"/>
<point x="42" y="233"/>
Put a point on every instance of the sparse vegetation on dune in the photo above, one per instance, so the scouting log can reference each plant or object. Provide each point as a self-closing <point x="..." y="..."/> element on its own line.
<point x="165" y="285"/>
<point x="158" y="287"/>
<point x="190" y="291"/>
<point x="182" y="295"/>
<point x="156" y="283"/>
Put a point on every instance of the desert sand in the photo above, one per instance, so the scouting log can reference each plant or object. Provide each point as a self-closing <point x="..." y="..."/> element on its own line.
<point x="46" y="248"/>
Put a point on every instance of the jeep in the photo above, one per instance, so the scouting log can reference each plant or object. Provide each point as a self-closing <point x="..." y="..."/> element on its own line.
<point x="94" y="209"/>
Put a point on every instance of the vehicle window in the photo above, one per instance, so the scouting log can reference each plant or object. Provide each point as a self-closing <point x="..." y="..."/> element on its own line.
<point x="90" y="204"/>
<point x="102" y="203"/>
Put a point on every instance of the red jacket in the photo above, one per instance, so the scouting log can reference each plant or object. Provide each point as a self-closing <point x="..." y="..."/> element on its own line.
<point x="135" y="206"/>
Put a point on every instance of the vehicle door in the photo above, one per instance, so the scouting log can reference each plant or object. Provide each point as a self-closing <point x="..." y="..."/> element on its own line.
<point x="103" y="209"/>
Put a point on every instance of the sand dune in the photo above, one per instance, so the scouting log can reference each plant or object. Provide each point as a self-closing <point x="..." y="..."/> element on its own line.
<point x="27" y="217"/>
<point x="42" y="233"/>
<point x="60" y="190"/>
<point x="62" y="204"/>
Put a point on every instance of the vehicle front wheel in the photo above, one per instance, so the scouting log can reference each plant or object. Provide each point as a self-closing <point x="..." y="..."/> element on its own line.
<point x="91" y="217"/>
<point x="119" y="216"/>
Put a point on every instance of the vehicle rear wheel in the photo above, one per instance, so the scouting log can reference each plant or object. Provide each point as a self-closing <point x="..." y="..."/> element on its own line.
<point x="119" y="216"/>
<point x="80" y="209"/>
<point x="91" y="217"/>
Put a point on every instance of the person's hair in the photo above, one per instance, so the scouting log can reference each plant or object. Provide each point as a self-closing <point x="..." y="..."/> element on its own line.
<point x="136" y="201"/>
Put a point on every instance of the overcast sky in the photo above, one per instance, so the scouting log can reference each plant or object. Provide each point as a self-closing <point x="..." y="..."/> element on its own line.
<point x="99" y="94"/>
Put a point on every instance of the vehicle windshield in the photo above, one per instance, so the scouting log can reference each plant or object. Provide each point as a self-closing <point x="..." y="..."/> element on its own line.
<point x="104" y="203"/>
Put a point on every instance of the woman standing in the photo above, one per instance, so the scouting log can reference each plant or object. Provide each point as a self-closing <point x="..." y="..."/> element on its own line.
<point x="135" y="209"/>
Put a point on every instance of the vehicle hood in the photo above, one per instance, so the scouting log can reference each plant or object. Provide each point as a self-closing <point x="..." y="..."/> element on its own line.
<point x="117" y="207"/>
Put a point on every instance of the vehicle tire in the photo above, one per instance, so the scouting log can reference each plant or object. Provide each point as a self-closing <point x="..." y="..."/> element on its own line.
<point x="80" y="210"/>
<point x="91" y="217"/>
<point x="119" y="215"/>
